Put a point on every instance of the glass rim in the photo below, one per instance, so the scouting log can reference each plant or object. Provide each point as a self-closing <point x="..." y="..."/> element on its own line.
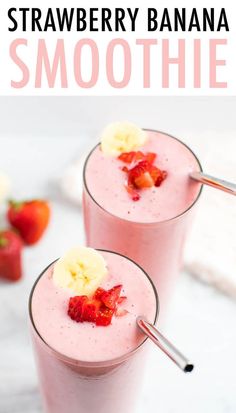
<point x="137" y="222"/>
<point x="94" y="364"/>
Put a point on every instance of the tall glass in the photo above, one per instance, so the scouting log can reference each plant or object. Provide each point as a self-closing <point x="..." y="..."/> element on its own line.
<point x="74" y="386"/>
<point x="157" y="247"/>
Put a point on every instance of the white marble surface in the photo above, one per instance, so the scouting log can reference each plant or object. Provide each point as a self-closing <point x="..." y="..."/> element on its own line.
<point x="38" y="138"/>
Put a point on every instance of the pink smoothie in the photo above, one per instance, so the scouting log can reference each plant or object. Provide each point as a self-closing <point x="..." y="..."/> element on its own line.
<point x="89" y="368"/>
<point x="105" y="181"/>
<point x="153" y="230"/>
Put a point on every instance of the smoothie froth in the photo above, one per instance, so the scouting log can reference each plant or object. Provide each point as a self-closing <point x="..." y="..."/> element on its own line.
<point x="85" y="341"/>
<point x="105" y="181"/>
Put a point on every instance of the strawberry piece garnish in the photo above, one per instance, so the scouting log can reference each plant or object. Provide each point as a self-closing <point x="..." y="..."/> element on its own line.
<point x="90" y="310"/>
<point x="99" y="309"/>
<point x="144" y="180"/>
<point x="121" y="299"/>
<point x="98" y="293"/>
<point x="143" y="174"/>
<point x="139" y="156"/>
<point x="139" y="175"/>
<point x="75" y="309"/>
<point x="133" y="194"/>
<point x="110" y="298"/>
<point x="120" y="312"/>
<point x="150" y="157"/>
<point x="82" y="309"/>
<point x="10" y="255"/>
<point x="30" y="218"/>
<point x="127" y="157"/>
<point x="157" y="175"/>
<point x="104" y="316"/>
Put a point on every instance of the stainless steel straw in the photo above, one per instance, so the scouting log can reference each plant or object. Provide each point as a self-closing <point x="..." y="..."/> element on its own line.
<point x="164" y="344"/>
<point x="214" y="182"/>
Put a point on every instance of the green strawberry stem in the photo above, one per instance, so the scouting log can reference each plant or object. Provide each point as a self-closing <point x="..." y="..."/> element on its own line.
<point x="16" y="205"/>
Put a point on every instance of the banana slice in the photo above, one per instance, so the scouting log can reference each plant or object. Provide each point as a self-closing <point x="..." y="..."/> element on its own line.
<point x="121" y="137"/>
<point x="81" y="269"/>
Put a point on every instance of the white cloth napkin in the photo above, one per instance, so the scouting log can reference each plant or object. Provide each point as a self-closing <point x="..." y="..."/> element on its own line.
<point x="211" y="248"/>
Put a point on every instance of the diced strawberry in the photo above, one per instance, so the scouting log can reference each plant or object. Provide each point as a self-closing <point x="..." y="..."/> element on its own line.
<point x="120" y="312"/>
<point x="75" y="309"/>
<point x="144" y="181"/>
<point x="100" y="309"/>
<point x="98" y="293"/>
<point x="133" y="194"/>
<point x="82" y="309"/>
<point x="139" y="176"/>
<point x="159" y="180"/>
<point x="150" y="157"/>
<point x="157" y="175"/>
<point x="90" y="310"/>
<point x="121" y="299"/>
<point x="127" y="157"/>
<point x="137" y="171"/>
<point x="104" y="316"/>
<point x="110" y="298"/>
<point x="139" y="156"/>
<point x="143" y="174"/>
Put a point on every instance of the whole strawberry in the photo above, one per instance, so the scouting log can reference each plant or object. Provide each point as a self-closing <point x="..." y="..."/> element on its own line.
<point x="10" y="255"/>
<point x="30" y="218"/>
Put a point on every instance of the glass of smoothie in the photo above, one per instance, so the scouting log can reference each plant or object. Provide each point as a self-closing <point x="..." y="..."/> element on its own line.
<point x="84" y="367"/>
<point x="152" y="229"/>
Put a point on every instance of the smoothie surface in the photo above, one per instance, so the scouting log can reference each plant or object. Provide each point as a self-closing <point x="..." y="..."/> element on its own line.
<point x="105" y="182"/>
<point x="86" y="341"/>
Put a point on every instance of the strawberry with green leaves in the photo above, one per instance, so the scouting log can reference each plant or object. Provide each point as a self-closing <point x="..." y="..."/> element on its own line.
<point x="29" y="218"/>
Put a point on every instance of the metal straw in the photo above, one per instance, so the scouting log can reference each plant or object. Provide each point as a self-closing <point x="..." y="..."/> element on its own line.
<point x="215" y="182"/>
<point x="164" y="344"/>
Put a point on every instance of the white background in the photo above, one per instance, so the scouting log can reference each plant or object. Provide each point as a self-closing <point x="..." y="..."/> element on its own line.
<point x="9" y="71"/>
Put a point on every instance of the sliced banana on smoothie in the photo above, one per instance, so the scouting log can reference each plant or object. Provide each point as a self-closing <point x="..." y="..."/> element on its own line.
<point x="121" y="137"/>
<point x="81" y="270"/>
